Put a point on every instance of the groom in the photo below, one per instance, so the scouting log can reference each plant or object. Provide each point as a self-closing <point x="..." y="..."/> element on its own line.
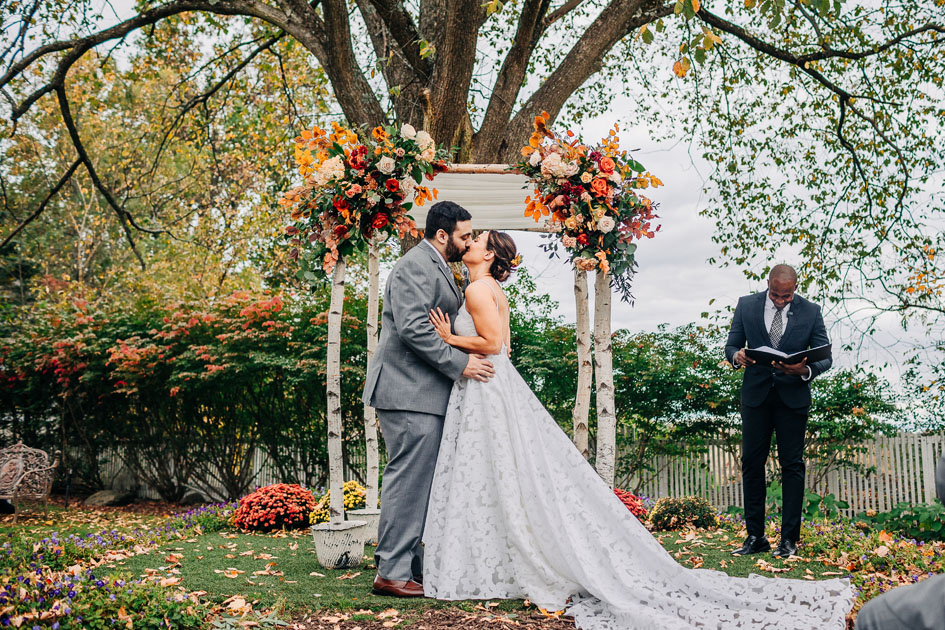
<point x="409" y="382"/>
<point x="775" y="399"/>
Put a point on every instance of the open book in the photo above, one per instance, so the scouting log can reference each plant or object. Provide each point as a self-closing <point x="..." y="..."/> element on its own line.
<point x="766" y="355"/>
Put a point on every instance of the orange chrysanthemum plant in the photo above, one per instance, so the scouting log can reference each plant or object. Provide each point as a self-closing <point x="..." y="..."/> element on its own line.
<point x="356" y="189"/>
<point x="589" y="198"/>
<point x="279" y="506"/>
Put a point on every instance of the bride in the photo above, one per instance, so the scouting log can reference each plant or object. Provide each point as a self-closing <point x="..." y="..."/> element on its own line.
<point x="516" y="512"/>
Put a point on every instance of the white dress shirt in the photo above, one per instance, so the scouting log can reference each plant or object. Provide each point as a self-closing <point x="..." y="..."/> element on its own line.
<point x="770" y="310"/>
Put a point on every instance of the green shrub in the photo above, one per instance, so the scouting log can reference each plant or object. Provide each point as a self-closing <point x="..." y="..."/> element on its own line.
<point x="921" y="522"/>
<point x="671" y="513"/>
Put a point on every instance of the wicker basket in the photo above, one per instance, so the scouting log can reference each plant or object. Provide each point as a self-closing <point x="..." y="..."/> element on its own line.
<point x="373" y="518"/>
<point x="339" y="546"/>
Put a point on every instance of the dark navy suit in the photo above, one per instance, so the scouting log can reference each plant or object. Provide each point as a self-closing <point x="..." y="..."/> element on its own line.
<point x="774" y="402"/>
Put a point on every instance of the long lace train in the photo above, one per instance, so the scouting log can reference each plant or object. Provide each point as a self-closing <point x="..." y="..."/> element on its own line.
<point x="517" y="512"/>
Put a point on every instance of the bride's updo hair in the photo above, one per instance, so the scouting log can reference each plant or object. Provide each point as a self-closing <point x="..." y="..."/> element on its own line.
<point x="506" y="258"/>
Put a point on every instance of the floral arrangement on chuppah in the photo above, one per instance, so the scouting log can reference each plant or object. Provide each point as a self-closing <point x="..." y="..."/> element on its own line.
<point x="588" y="195"/>
<point x="356" y="189"/>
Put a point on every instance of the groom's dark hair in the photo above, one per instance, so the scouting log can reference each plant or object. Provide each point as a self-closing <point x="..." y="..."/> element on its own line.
<point x="444" y="215"/>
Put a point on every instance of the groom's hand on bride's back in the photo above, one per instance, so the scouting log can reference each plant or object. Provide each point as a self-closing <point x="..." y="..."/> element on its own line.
<point x="478" y="368"/>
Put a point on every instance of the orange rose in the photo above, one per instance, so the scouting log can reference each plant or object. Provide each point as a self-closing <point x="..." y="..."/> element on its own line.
<point x="599" y="187"/>
<point x="606" y="165"/>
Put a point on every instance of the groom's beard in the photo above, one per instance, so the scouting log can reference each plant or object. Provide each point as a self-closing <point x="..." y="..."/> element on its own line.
<point x="453" y="253"/>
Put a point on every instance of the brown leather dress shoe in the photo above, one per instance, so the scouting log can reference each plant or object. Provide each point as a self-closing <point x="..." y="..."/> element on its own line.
<point x="397" y="588"/>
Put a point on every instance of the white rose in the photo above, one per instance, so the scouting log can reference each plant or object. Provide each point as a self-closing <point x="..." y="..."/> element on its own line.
<point x="407" y="132"/>
<point x="606" y="224"/>
<point x="407" y="185"/>
<point x="534" y="159"/>
<point x="615" y="177"/>
<point x="332" y="168"/>
<point x="424" y="140"/>
<point x="551" y="165"/>
<point x="386" y="165"/>
<point x="570" y="169"/>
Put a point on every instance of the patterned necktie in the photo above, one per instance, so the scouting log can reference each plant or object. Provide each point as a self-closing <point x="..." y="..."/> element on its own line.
<point x="777" y="327"/>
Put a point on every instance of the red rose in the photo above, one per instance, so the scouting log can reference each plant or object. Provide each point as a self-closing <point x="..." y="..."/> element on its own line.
<point x="606" y="165"/>
<point x="380" y="221"/>
<point x="582" y="239"/>
<point x="341" y="231"/>
<point x="392" y="185"/>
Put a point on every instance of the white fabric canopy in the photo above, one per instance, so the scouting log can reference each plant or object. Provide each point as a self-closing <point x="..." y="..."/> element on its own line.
<point x="496" y="201"/>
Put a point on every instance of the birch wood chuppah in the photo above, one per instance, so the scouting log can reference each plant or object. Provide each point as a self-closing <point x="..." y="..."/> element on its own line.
<point x="357" y="193"/>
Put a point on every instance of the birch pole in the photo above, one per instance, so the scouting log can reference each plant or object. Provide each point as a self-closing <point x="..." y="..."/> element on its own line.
<point x="604" y="373"/>
<point x="370" y="416"/>
<point x="336" y="506"/>
<point x="582" y="402"/>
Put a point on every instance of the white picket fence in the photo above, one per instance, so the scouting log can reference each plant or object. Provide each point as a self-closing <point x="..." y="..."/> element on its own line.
<point x="903" y="471"/>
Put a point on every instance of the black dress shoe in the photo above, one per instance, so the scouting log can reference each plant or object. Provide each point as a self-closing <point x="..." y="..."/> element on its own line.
<point x="786" y="549"/>
<point x="753" y="544"/>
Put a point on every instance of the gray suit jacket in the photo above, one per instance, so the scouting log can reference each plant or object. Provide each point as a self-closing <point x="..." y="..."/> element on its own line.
<point x="805" y="329"/>
<point x="412" y="368"/>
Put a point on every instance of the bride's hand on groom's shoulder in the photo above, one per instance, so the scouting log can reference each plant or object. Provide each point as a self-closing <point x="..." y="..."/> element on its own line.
<point x="441" y="322"/>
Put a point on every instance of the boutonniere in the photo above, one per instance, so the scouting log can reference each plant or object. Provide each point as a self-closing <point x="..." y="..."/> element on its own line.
<point x="458" y="278"/>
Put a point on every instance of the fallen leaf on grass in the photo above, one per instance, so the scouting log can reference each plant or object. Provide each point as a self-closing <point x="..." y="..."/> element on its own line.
<point x="316" y="574"/>
<point x="229" y="572"/>
<point x="170" y="581"/>
<point x="881" y="551"/>
<point x="387" y="614"/>
<point x="349" y="576"/>
<point x="767" y="566"/>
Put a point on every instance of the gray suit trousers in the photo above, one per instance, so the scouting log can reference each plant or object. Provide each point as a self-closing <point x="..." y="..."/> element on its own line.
<point x="413" y="442"/>
<point x="915" y="607"/>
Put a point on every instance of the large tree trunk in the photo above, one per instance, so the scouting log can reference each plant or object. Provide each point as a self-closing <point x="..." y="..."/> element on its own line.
<point x="370" y="416"/>
<point x="336" y="482"/>
<point x="582" y="402"/>
<point x="604" y="372"/>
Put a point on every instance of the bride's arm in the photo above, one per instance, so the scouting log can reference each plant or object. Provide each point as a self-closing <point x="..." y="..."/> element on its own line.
<point x="485" y="315"/>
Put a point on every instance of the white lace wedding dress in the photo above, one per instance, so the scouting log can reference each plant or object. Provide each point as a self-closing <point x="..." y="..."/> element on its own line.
<point x="516" y="512"/>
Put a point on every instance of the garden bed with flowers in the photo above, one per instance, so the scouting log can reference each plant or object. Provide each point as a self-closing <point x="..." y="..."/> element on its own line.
<point x="142" y="567"/>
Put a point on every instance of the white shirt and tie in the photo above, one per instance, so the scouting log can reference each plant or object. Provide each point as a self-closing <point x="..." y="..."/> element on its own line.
<point x="770" y="311"/>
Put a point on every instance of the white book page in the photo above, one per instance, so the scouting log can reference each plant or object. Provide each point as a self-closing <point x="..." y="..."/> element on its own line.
<point x="771" y="350"/>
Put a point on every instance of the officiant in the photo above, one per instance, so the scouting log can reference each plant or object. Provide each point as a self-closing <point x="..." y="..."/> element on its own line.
<point x="775" y="400"/>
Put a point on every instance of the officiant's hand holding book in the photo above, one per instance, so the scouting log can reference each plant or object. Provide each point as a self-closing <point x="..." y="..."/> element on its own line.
<point x="766" y="355"/>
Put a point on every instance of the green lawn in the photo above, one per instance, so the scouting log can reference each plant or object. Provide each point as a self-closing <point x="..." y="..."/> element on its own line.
<point x="713" y="550"/>
<point x="279" y="571"/>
